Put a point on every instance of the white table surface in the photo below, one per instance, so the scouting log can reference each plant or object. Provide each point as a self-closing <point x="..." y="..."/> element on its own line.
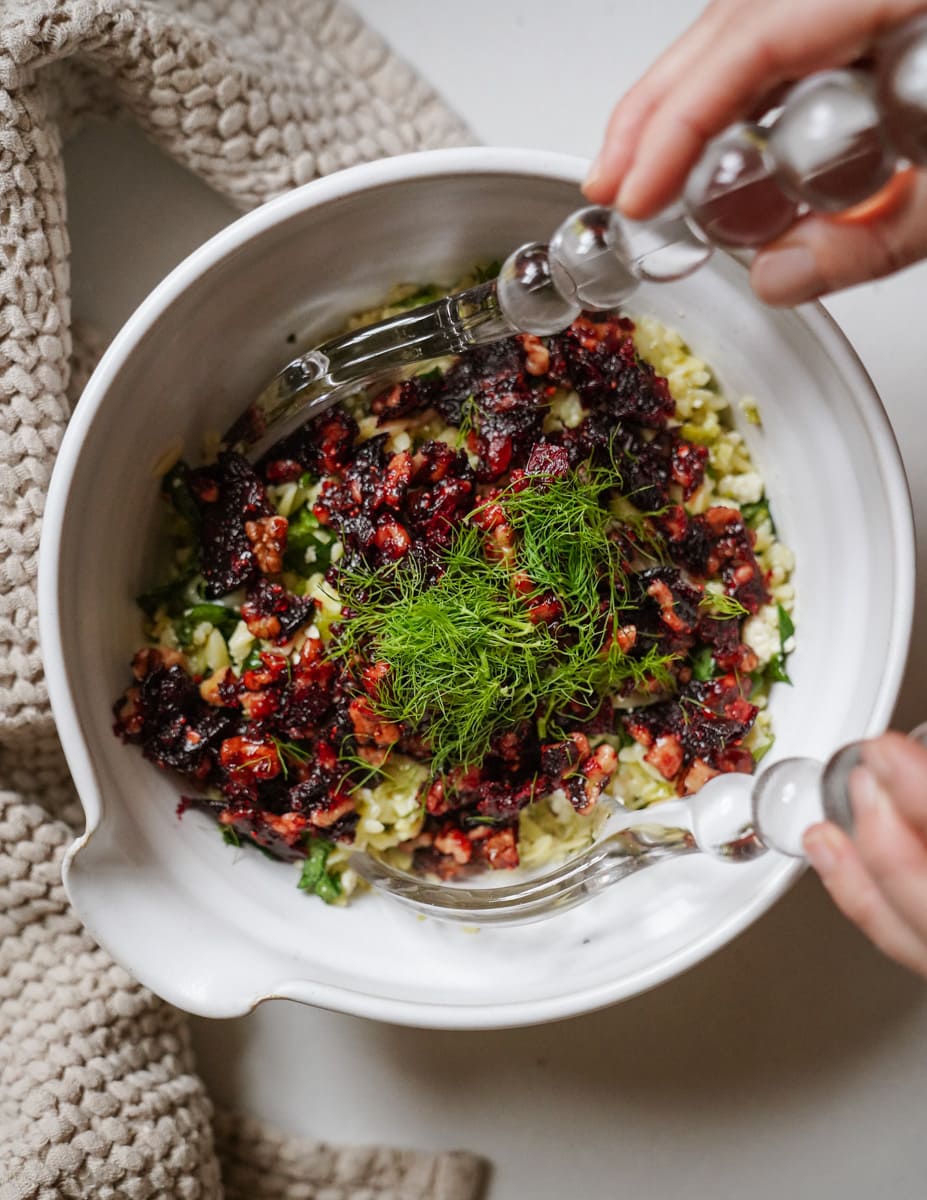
<point x="792" y="1062"/>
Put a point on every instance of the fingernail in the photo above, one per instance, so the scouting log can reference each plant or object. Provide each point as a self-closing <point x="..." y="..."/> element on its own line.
<point x="822" y="846"/>
<point x="594" y="174"/>
<point x="866" y="793"/>
<point x="628" y="192"/>
<point x="787" y="276"/>
<point x="877" y="757"/>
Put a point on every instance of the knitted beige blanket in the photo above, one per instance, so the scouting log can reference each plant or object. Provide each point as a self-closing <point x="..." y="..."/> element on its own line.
<point x="98" y="1091"/>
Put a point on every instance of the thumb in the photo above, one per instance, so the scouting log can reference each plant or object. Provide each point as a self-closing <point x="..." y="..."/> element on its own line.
<point x="824" y="254"/>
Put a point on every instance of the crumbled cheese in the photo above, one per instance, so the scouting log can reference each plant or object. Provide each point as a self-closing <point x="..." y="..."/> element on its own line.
<point x="283" y="497"/>
<point x="761" y="633"/>
<point x="240" y="644"/>
<point x="746" y="488"/>
<point x="215" y="651"/>
<point x="568" y="410"/>
<point x="781" y="560"/>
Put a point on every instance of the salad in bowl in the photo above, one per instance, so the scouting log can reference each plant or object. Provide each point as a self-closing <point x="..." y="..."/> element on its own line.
<point x="583" y="533"/>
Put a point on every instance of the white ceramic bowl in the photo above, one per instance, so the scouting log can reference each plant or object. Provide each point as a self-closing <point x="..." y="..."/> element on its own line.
<point x="216" y="934"/>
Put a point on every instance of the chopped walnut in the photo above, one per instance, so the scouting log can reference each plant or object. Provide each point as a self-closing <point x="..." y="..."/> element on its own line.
<point x="263" y="627"/>
<point x="537" y="356"/>
<point x="267" y="536"/>
<point x="210" y="688"/>
<point x="149" y="658"/>
<point x="368" y="727"/>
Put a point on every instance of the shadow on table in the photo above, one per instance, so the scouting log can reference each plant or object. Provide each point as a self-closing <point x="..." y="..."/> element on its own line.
<point x="796" y="996"/>
<point x="799" y="999"/>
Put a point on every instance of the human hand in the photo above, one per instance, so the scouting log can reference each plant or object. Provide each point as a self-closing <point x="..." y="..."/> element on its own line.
<point x="726" y="67"/>
<point x="879" y="878"/>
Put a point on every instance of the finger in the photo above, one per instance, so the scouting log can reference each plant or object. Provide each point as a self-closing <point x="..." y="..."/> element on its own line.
<point x="770" y="100"/>
<point x="855" y="893"/>
<point x="824" y="254"/>
<point x="772" y="43"/>
<point x="893" y="853"/>
<point x="900" y="766"/>
<point x="631" y="112"/>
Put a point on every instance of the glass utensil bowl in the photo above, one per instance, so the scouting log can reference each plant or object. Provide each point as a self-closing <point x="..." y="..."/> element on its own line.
<point x="834" y="142"/>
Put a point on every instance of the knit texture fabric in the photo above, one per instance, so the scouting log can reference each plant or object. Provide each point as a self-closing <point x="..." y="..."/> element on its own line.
<point x="99" y="1095"/>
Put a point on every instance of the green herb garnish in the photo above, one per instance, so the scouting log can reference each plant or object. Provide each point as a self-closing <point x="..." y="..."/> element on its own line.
<point x="230" y="835"/>
<point x="176" y="488"/>
<point x="722" y="606"/>
<point x="774" y="671"/>
<point x="290" y="754"/>
<point x="758" y="512"/>
<point x="314" y="877"/>
<point x="253" y="662"/>
<point x="760" y="754"/>
<point x="426" y="294"/>
<point x="489" y="271"/>
<point x="786" y="625"/>
<point x="305" y="533"/>
<point x="468" y="421"/>
<point x="704" y="666"/>
<point x="222" y="618"/>
<point x="466" y="660"/>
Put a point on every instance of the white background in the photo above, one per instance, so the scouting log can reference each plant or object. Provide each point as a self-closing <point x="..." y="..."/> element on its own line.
<point x="793" y="1062"/>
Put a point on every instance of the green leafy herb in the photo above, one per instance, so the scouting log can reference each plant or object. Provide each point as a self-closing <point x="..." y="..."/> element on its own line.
<point x="468" y="421"/>
<point x="314" y="877"/>
<point x="464" y="654"/>
<point x="640" y="531"/>
<point x="704" y="666"/>
<point x="775" y="670"/>
<point x="230" y="835"/>
<point x="489" y="271"/>
<point x="760" y="753"/>
<point x="361" y="772"/>
<point x="222" y="618"/>
<point x="758" y="512"/>
<point x="426" y="294"/>
<point x="431" y="376"/>
<point x="721" y="606"/>
<point x="253" y="662"/>
<point x="289" y="754"/>
<point x="305" y="533"/>
<point x="786" y="625"/>
<point x="176" y="488"/>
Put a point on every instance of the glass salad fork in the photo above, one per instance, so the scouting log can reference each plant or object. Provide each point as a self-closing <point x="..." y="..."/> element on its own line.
<point x="733" y="819"/>
<point x="840" y="139"/>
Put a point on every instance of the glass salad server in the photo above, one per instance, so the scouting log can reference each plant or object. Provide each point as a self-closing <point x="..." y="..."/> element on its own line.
<point x="734" y="819"/>
<point x="836" y="142"/>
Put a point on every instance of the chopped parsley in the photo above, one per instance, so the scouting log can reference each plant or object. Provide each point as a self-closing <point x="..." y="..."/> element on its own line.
<point x="314" y="877"/>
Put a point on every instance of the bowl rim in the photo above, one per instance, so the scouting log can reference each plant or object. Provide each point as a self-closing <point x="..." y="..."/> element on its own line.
<point x="365" y="177"/>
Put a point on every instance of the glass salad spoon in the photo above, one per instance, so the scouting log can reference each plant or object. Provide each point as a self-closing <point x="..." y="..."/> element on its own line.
<point x="734" y="819"/>
<point x="840" y="138"/>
